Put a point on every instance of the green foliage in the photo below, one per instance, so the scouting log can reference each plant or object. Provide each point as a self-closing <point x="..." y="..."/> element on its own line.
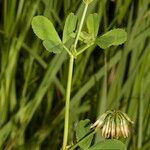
<point x="52" y="46"/>
<point x="113" y="37"/>
<point x="45" y="30"/>
<point x="82" y="130"/>
<point x="84" y="136"/>
<point x="69" y="28"/>
<point x="111" y="144"/>
<point x="93" y="24"/>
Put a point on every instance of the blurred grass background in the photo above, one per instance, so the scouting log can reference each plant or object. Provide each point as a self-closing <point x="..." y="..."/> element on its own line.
<point x="33" y="81"/>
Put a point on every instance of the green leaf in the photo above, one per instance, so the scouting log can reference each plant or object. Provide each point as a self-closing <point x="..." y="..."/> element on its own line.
<point x="93" y="24"/>
<point x="51" y="46"/>
<point x="112" y="144"/>
<point x="83" y="129"/>
<point x="113" y="37"/>
<point x="44" y="29"/>
<point x="105" y="41"/>
<point x="70" y="26"/>
<point x="85" y="37"/>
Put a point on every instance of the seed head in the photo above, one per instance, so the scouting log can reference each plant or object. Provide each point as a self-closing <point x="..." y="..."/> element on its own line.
<point x="114" y="124"/>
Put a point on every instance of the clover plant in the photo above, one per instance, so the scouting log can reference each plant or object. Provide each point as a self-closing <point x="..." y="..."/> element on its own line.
<point x="72" y="35"/>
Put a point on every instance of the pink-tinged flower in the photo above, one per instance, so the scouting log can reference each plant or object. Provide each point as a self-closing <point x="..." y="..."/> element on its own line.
<point x="114" y="124"/>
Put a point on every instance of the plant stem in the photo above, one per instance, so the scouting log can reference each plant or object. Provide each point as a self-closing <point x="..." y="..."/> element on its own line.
<point x="70" y="71"/>
<point x="84" y="48"/>
<point x="80" y="27"/>
<point x="67" y="105"/>
<point x="66" y="49"/>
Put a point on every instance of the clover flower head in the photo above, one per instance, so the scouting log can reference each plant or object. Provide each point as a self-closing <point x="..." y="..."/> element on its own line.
<point x="114" y="124"/>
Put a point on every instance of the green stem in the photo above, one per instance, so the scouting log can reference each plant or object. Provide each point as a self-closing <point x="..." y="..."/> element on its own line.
<point x="84" y="48"/>
<point x="80" y="26"/>
<point x="66" y="49"/>
<point x="67" y="105"/>
<point x="70" y="71"/>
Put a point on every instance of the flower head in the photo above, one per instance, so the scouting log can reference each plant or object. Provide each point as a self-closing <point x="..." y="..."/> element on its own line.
<point x="114" y="124"/>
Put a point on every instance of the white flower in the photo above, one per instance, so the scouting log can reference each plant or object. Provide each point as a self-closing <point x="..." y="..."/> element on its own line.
<point x="114" y="124"/>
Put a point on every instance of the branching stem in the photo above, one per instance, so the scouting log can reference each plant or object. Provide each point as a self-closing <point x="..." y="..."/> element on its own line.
<point x="70" y="72"/>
